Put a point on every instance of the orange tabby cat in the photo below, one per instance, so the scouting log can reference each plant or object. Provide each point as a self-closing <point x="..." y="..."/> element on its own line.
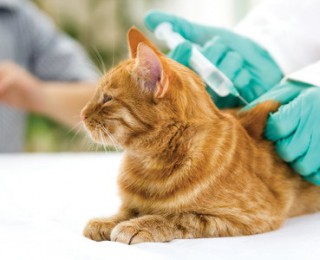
<point x="189" y="170"/>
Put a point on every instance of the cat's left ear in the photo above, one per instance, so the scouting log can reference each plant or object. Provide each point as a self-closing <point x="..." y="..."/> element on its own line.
<point x="135" y="37"/>
<point x="149" y="70"/>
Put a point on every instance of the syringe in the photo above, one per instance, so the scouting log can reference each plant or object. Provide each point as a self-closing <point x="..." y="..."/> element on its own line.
<point x="212" y="76"/>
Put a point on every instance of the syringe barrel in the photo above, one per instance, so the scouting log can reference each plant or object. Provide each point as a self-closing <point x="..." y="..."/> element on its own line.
<point x="214" y="78"/>
<point x="210" y="74"/>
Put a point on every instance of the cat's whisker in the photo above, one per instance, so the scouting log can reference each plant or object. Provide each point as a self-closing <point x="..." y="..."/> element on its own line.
<point x="102" y="67"/>
<point x="96" y="130"/>
<point x="86" y="143"/>
<point x="114" y="142"/>
<point x="93" y="147"/>
<point x="77" y="127"/>
<point x="98" y="146"/>
<point x="108" y="134"/>
<point x="74" y="136"/>
<point x="75" y="131"/>
<point x="112" y="54"/>
<point x="103" y="140"/>
<point x="93" y="67"/>
<point x="113" y="39"/>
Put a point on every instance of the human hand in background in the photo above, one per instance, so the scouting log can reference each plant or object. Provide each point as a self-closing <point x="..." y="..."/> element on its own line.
<point x="295" y="128"/>
<point x="61" y="101"/>
<point x="249" y="66"/>
<point x="18" y="88"/>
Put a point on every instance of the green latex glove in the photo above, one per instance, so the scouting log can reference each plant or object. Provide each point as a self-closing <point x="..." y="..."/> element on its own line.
<point x="295" y="128"/>
<point x="182" y="55"/>
<point x="244" y="62"/>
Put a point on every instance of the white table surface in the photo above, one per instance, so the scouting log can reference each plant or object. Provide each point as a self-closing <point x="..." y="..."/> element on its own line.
<point x="46" y="199"/>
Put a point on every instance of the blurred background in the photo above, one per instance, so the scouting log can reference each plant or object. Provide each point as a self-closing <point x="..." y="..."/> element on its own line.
<point x="101" y="26"/>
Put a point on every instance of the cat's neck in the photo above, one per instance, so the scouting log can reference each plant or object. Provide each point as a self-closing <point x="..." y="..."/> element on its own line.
<point x="157" y="139"/>
<point x="173" y="141"/>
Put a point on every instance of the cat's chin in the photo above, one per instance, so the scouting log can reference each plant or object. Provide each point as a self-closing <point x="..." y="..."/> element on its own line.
<point x="96" y="137"/>
<point x="102" y="140"/>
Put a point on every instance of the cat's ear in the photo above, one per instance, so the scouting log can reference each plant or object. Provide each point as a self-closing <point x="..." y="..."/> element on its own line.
<point x="149" y="70"/>
<point x="135" y="37"/>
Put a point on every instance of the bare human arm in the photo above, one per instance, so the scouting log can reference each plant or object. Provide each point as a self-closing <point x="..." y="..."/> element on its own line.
<point x="50" y="74"/>
<point x="61" y="101"/>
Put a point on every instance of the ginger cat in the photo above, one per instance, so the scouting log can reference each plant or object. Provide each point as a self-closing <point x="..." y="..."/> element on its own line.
<point x="189" y="170"/>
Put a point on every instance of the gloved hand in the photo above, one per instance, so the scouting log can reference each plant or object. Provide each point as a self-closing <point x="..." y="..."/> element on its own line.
<point x="182" y="54"/>
<point x="244" y="62"/>
<point x="295" y="128"/>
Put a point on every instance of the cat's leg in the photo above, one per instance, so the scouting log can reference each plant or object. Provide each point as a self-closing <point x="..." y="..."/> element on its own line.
<point x="156" y="228"/>
<point x="99" y="229"/>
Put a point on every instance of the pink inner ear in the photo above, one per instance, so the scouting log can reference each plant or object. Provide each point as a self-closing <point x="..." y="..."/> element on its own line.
<point x="149" y="66"/>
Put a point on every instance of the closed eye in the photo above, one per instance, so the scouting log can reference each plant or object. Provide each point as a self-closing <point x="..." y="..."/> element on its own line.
<point x="106" y="99"/>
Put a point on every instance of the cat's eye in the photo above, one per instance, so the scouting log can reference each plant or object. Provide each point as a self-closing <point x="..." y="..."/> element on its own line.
<point x="106" y="99"/>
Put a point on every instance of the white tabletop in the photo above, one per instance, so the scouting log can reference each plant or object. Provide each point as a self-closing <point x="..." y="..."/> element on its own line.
<point x="46" y="199"/>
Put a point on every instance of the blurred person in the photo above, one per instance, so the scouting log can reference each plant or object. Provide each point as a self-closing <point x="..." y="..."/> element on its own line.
<point x="41" y="70"/>
<point x="278" y="40"/>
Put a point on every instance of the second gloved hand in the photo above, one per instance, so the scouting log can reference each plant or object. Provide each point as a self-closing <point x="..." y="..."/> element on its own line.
<point x="295" y="128"/>
<point x="249" y="66"/>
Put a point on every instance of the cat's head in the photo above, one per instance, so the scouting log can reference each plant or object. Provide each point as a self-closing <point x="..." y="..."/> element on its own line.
<point x="144" y="94"/>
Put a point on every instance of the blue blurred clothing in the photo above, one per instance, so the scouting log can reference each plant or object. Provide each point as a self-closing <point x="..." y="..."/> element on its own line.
<point x="30" y="39"/>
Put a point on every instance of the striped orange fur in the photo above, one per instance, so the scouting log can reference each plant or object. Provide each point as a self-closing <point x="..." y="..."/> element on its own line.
<point x="189" y="170"/>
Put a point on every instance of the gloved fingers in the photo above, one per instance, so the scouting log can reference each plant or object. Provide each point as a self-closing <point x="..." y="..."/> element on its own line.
<point x="191" y="31"/>
<point x="284" y="93"/>
<point x="248" y="92"/>
<point x="214" y="50"/>
<point x="287" y="119"/>
<point x="154" y="17"/>
<point x="200" y="34"/>
<point x="314" y="178"/>
<point x="247" y="86"/>
<point x="242" y="80"/>
<point x="284" y="122"/>
<point x="230" y="64"/>
<point x="181" y="53"/>
<point x="310" y="161"/>
<point x="257" y="90"/>
<point x="244" y="46"/>
<point x="251" y="51"/>
<point x="295" y="145"/>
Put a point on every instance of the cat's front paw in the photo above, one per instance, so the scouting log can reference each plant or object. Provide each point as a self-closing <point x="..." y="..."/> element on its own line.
<point x="99" y="229"/>
<point x="129" y="233"/>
